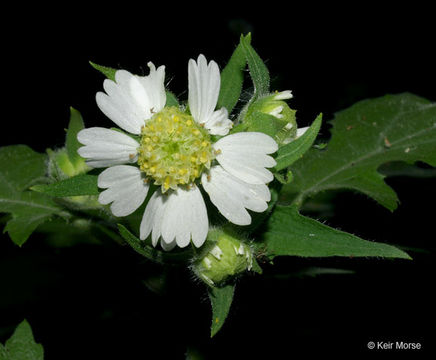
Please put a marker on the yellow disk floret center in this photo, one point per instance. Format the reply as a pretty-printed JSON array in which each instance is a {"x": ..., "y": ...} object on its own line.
[{"x": 174, "y": 149}]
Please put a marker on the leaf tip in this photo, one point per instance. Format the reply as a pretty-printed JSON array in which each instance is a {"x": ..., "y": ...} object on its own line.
[
  {"x": 246, "y": 38},
  {"x": 74, "y": 111},
  {"x": 404, "y": 255}
]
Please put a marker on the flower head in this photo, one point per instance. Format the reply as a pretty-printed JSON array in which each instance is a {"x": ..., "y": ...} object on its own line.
[{"x": 174, "y": 148}]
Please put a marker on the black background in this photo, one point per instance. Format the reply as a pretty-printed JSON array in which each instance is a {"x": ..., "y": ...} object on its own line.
[{"x": 89, "y": 301}]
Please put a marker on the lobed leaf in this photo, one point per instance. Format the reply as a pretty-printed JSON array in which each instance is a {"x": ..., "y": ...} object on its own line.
[{"x": 365, "y": 136}]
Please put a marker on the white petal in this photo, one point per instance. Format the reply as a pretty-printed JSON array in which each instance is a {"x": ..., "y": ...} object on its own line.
[
  {"x": 105, "y": 147},
  {"x": 251, "y": 141},
  {"x": 152, "y": 219},
  {"x": 126, "y": 189},
  {"x": 244, "y": 155},
  {"x": 154, "y": 84},
  {"x": 219, "y": 123},
  {"x": 119, "y": 103},
  {"x": 131, "y": 99},
  {"x": 178, "y": 216},
  {"x": 204, "y": 86},
  {"x": 277, "y": 112},
  {"x": 185, "y": 218},
  {"x": 232, "y": 196},
  {"x": 301, "y": 131},
  {"x": 283, "y": 95}
]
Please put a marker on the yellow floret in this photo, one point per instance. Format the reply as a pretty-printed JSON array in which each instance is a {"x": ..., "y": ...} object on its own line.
[{"x": 174, "y": 149}]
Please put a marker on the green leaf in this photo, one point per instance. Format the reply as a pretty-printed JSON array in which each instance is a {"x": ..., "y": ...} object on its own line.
[
  {"x": 20, "y": 167},
  {"x": 289, "y": 153},
  {"x": 221, "y": 299},
  {"x": 232, "y": 78},
  {"x": 141, "y": 247},
  {"x": 258, "y": 71},
  {"x": 72, "y": 144},
  {"x": 21, "y": 345},
  {"x": 365, "y": 136},
  {"x": 21, "y": 227},
  {"x": 290, "y": 233},
  {"x": 75, "y": 186},
  {"x": 106, "y": 71}
]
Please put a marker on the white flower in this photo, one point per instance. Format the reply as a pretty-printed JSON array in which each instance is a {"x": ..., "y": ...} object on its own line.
[{"x": 174, "y": 149}]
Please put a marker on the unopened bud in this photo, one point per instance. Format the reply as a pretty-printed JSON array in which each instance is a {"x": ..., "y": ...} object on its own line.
[
  {"x": 60, "y": 166},
  {"x": 283, "y": 125},
  {"x": 225, "y": 258}
]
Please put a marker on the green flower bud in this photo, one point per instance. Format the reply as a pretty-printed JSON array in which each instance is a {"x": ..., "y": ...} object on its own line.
[
  {"x": 225, "y": 258},
  {"x": 272, "y": 116},
  {"x": 60, "y": 166}
]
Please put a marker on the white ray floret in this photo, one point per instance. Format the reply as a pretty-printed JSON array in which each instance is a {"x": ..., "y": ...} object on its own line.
[
  {"x": 131, "y": 99},
  {"x": 125, "y": 189},
  {"x": 245, "y": 155},
  {"x": 284, "y": 95},
  {"x": 233, "y": 196},
  {"x": 180, "y": 216},
  {"x": 105, "y": 147},
  {"x": 204, "y": 86}
]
